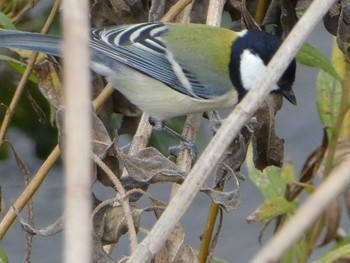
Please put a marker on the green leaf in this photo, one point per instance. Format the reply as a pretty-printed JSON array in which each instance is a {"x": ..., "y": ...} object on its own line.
[
  {"x": 5, "y": 22},
  {"x": 342, "y": 252},
  {"x": 270, "y": 182},
  {"x": 329, "y": 92},
  {"x": 3, "y": 256},
  {"x": 11, "y": 59},
  {"x": 272, "y": 208},
  {"x": 311, "y": 57}
]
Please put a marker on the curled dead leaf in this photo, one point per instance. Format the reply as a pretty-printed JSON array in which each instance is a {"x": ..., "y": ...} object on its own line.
[
  {"x": 150, "y": 166},
  {"x": 333, "y": 216},
  {"x": 110, "y": 223},
  {"x": 309, "y": 170},
  {"x": 268, "y": 148},
  {"x": 49, "y": 83},
  {"x": 227, "y": 200}
]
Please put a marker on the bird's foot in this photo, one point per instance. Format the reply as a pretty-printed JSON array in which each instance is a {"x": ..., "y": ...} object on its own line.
[{"x": 185, "y": 142}]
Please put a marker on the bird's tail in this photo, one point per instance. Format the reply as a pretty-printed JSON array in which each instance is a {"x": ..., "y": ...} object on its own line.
[{"x": 31, "y": 41}]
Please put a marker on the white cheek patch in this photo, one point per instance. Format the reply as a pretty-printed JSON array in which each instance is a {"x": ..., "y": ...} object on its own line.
[{"x": 251, "y": 68}]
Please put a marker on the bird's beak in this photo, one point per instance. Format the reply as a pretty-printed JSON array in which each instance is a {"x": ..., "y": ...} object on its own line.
[{"x": 289, "y": 95}]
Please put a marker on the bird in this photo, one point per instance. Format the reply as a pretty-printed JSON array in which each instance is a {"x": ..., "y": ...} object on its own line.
[{"x": 172, "y": 69}]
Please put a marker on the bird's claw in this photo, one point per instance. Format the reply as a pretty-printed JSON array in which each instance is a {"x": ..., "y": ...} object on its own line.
[{"x": 185, "y": 145}]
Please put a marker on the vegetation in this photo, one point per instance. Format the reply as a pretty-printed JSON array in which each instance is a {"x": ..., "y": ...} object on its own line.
[{"x": 36, "y": 107}]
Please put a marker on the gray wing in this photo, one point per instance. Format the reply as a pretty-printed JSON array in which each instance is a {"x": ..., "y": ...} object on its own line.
[{"x": 140, "y": 47}]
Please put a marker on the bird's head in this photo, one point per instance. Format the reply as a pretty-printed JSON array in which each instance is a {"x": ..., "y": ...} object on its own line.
[{"x": 250, "y": 54}]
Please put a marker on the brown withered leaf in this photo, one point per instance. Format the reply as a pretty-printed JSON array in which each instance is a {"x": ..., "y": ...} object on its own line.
[
  {"x": 111, "y": 12},
  {"x": 130, "y": 183},
  {"x": 129, "y": 125},
  {"x": 36, "y": 107},
  {"x": 47, "y": 72},
  {"x": 103, "y": 147},
  {"x": 267, "y": 146},
  {"x": 235, "y": 155},
  {"x": 106, "y": 110},
  {"x": 272, "y": 18},
  {"x": 309, "y": 169},
  {"x": 337, "y": 23},
  {"x": 50, "y": 230},
  {"x": 343, "y": 34},
  {"x": 100, "y": 137},
  {"x": 288, "y": 16},
  {"x": 174, "y": 249},
  {"x": 124, "y": 106},
  {"x": 199, "y": 12},
  {"x": 282, "y": 16},
  {"x": 157, "y": 10},
  {"x": 248, "y": 19},
  {"x": 150, "y": 166},
  {"x": 110, "y": 223},
  {"x": 333, "y": 218},
  {"x": 139, "y": 9},
  {"x": 101, "y": 140},
  {"x": 233, "y": 7},
  {"x": 113, "y": 164},
  {"x": 227, "y": 200},
  {"x": 343, "y": 149},
  {"x": 331, "y": 18},
  {"x": 99, "y": 254}
]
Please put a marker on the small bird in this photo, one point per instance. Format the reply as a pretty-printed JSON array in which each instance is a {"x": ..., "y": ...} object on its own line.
[{"x": 169, "y": 69}]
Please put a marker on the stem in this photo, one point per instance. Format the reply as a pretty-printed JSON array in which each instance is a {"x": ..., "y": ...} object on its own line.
[
  {"x": 260, "y": 11},
  {"x": 208, "y": 232}
]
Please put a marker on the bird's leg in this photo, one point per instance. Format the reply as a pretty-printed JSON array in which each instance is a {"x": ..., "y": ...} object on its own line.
[{"x": 185, "y": 142}]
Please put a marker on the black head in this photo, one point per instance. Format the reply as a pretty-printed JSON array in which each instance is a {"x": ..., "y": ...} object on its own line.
[{"x": 250, "y": 54}]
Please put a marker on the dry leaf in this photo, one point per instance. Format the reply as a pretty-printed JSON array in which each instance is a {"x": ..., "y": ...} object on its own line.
[
  {"x": 50, "y": 230},
  {"x": 337, "y": 22},
  {"x": 333, "y": 219},
  {"x": 111, "y": 12},
  {"x": 124, "y": 106},
  {"x": 110, "y": 223},
  {"x": 174, "y": 248},
  {"x": 248, "y": 19},
  {"x": 227, "y": 200},
  {"x": 288, "y": 16},
  {"x": 268, "y": 148},
  {"x": 309, "y": 169},
  {"x": 49, "y": 82},
  {"x": 150, "y": 166}
]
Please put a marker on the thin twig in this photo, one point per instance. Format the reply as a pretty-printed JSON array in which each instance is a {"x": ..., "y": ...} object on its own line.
[
  {"x": 175, "y": 10},
  {"x": 77, "y": 233},
  {"x": 229, "y": 129}
]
